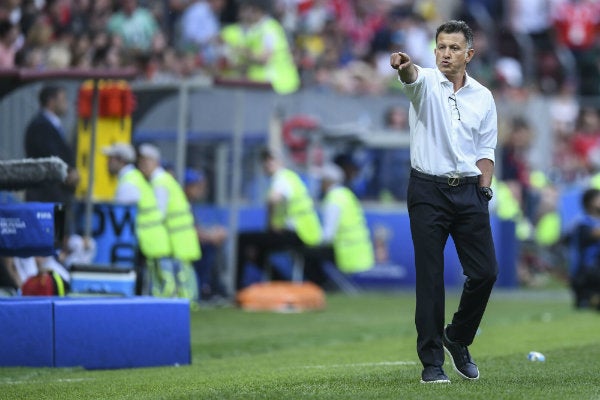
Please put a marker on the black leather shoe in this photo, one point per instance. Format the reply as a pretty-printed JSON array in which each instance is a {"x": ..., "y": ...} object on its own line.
[
  {"x": 461, "y": 359},
  {"x": 433, "y": 374}
]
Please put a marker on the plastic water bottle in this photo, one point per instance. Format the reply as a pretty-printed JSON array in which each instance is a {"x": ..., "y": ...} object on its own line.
[{"x": 536, "y": 356}]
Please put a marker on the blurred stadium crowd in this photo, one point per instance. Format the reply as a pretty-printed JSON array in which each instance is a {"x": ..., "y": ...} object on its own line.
[{"x": 341, "y": 45}]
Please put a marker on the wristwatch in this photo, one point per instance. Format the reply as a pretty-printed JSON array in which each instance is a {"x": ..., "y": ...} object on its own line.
[{"x": 487, "y": 192}]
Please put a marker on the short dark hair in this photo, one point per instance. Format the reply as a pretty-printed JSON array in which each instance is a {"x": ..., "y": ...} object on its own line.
[
  {"x": 48, "y": 93},
  {"x": 588, "y": 197},
  {"x": 266, "y": 154},
  {"x": 455, "y": 26}
]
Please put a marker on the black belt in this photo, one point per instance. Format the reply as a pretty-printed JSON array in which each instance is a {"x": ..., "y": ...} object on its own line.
[{"x": 448, "y": 180}]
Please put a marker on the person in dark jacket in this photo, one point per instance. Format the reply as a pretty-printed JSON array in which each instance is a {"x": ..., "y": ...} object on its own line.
[
  {"x": 585, "y": 253},
  {"x": 45, "y": 137}
]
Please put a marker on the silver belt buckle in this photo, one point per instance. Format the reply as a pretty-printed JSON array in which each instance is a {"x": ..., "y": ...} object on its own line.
[{"x": 453, "y": 181}]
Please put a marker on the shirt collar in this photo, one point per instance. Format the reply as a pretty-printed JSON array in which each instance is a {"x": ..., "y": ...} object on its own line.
[
  {"x": 125, "y": 170},
  {"x": 53, "y": 118},
  {"x": 158, "y": 171},
  {"x": 442, "y": 78}
]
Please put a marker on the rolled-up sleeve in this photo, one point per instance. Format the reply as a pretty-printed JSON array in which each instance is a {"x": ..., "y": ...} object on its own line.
[
  {"x": 413, "y": 90},
  {"x": 488, "y": 134}
]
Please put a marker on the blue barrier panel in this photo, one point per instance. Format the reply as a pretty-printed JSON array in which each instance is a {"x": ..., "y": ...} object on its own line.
[
  {"x": 569, "y": 207},
  {"x": 26, "y": 332},
  {"x": 393, "y": 248},
  {"x": 113, "y": 229},
  {"x": 122, "y": 333},
  {"x": 506, "y": 252}
]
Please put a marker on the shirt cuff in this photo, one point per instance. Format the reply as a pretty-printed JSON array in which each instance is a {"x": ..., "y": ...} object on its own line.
[
  {"x": 486, "y": 152},
  {"x": 419, "y": 77}
]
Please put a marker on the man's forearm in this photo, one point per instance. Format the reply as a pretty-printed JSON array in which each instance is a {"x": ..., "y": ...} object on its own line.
[
  {"x": 408, "y": 74},
  {"x": 486, "y": 166}
]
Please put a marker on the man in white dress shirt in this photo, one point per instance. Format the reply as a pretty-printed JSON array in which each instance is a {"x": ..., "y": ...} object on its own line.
[{"x": 453, "y": 135}]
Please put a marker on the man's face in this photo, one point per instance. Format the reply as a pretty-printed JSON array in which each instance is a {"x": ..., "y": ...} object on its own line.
[
  {"x": 147, "y": 166},
  {"x": 196, "y": 191},
  {"x": 452, "y": 53},
  {"x": 60, "y": 104},
  {"x": 269, "y": 166},
  {"x": 129, "y": 6},
  {"x": 595, "y": 207},
  {"x": 114, "y": 165}
]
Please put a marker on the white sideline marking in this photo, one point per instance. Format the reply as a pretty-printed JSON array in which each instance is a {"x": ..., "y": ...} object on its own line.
[
  {"x": 67, "y": 380},
  {"x": 375, "y": 364}
]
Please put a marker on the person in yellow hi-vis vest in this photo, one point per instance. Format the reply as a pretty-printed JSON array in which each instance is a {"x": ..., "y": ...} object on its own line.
[
  {"x": 293, "y": 222},
  {"x": 232, "y": 63},
  {"x": 346, "y": 240},
  {"x": 267, "y": 52},
  {"x": 177, "y": 218},
  {"x": 151, "y": 233}
]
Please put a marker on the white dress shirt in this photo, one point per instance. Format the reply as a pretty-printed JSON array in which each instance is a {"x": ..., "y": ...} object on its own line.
[
  {"x": 280, "y": 187},
  {"x": 450, "y": 132},
  {"x": 54, "y": 120},
  {"x": 331, "y": 220},
  {"x": 161, "y": 192},
  {"x": 126, "y": 192}
]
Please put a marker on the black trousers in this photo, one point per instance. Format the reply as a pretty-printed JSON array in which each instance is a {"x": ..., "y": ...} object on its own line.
[
  {"x": 436, "y": 210},
  {"x": 586, "y": 284},
  {"x": 256, "y": 246}
]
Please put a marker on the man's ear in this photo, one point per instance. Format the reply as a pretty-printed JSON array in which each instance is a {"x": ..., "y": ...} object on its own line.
[{"x": 469, "y": 55}]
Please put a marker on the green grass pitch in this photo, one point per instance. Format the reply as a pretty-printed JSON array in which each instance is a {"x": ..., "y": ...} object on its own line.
[{"x": 359, "y": 347}]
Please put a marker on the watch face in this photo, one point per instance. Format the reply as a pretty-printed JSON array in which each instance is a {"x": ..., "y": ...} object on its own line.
[{"x": 487, "y": 192}]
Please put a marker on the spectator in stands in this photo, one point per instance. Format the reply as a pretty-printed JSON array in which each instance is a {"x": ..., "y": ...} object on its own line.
[
  {"x": 212, "y": 238},
  {"x": 418, "y": 39},
  {"x": 266, "y": 51},
  {"x": 80, "y": 15},
  {"x": 100, "y": 14},
  {"x": 135, "y": 26},
  {"x": 586, "y": 138},
  {"x": 9, "y": 45},
  {"x": 564, "y": 108},
  {"x": 358, "y": 78},
  {"x": 151, "y": 233},
  {"x": 448, "y": 194},
  {"x": 515, "y": 170},
  {"x": 585, "y": 253},
  {"x": 292, "y": 221},
  {"x": 172, "y": 18},
  {"x": 232, "y": 63},
  {"x": 354, "y": 179},
  {"x": 346, "y": 240},
  {"x": 531, "y": 24},
  {"x": 576, "y": 24},
  {"x": 45, "y": 136},
  {"x": 200, "y": 28},
  {"x": 568, "y": 167},
  {"x": 11, "y": 10},
  {"x": 177, "y": 218}
]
